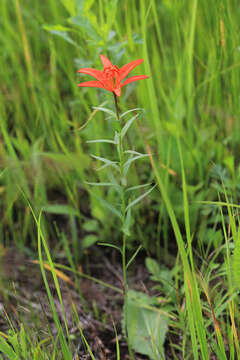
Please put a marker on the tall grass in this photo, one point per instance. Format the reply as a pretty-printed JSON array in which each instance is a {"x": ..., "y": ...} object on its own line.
[{"x": 191, "y": 54}]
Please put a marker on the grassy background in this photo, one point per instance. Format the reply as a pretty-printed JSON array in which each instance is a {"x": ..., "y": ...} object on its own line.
[{"x": 191, "y": 54}]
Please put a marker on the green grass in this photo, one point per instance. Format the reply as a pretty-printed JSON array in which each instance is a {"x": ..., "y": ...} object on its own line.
[{"x": 191, "y": 101}]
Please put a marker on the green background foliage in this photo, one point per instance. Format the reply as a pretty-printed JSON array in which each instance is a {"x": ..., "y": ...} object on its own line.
[{"x": 191, "y": 53}]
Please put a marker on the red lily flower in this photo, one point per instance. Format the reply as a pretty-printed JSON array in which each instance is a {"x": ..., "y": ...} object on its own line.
[{"x": 111, "y": 77}]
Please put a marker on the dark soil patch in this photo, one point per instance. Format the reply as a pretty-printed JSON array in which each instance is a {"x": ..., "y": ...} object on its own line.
[{"x": 24, "y": 299}]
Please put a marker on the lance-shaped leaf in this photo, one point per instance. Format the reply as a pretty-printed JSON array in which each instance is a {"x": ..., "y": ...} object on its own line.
[
  {"x": 137, "y": 187},
  {"x": 134, "y": 202},
  {"x": 134, "y": 255},
  {"x": 127, "y": 126},
  {"x": 106, "y": 162},
  {"x": 129, "y": 111},
  {"x": 101, "y": 141},
  {"x": 106, "y": 110},
  {"x": 131, "y": 160},
  {"x": 111, "y": 245},
  {"x": 99, "y": 183},
  {"x": 132, "y": 152}
]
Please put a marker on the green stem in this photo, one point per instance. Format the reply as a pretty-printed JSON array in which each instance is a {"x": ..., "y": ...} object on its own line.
[
  {"x": 123, "y": 199},
  {"x": 123, "y": 211}
]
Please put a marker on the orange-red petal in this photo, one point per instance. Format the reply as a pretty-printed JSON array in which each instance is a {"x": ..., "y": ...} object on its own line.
[
  {"x": 134, "y": 78},
  {"x": 96, "y": 84},
  {"x": 98, "y": 74},
  {"x": 105, "y": 61},
  {"x": 125, "y": 70}
]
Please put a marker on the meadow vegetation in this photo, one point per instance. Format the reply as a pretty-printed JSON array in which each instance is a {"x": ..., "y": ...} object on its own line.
[{"x": 61, "y": 287}]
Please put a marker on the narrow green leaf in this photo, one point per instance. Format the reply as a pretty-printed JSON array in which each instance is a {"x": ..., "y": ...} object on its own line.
[
  {"x": 134, "y": 202},
  {"x": 86, "y": 344},
  {"x": 111, "y": 245},
  {"x": 137, "y": 187},
  {"x": 99, "y": 184},
  {"x": 132, "y": 152},
  {"x": 56, "y": 28},
  {"x": 218, "y": 203},
  {"x": 102, "y": 167},
  {"x": 131, "y": 160},
  {"x": 134, "y": 255},
  {"x": 117, "y": 341},
  {"x": 127, "y": 112},
  {"x": 42, "y": 242},
  {"x": 101, "y": 141},
  {"x": 127, "y": 126},
  {"x": 106, "y": 161},
  {"x": 106, "y": 110}
]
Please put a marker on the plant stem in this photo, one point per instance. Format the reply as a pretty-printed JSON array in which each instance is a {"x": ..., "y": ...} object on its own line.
[
  {"x": 123, "y": 211},
  {"x": 123, "y": 200}
]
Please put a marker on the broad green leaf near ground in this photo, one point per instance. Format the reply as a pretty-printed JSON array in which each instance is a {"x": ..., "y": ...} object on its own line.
[{"x": 147, "y": 325}]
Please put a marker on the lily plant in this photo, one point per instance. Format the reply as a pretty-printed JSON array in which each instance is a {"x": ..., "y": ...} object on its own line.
[{"x": 113, "y": 78}]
